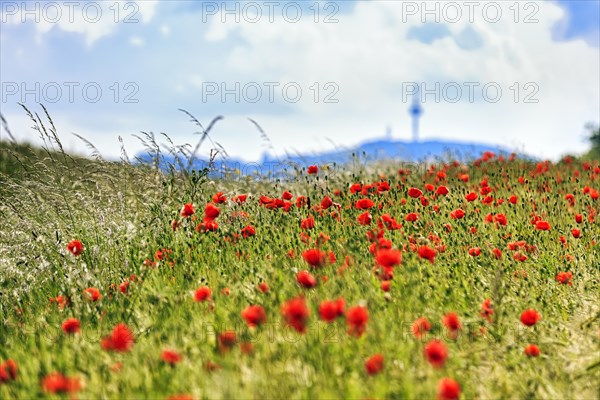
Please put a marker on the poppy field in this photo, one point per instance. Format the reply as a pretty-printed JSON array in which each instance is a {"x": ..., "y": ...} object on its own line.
[{"x": 374, "y": 280}]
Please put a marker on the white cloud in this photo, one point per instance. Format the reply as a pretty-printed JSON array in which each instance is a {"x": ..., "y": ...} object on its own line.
[
  {"x": 196, "y": 81},
  {"x": 367, "y": 55},
  {"x": 136, "y": 41},
  {"x": 93, "y": 20}
]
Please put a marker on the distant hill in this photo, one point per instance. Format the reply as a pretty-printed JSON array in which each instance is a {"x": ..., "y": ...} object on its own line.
[
  {"x": 18, "y": 160},
  {"x": 381, "y": 149},
  {"x": 403, "y": 150}
]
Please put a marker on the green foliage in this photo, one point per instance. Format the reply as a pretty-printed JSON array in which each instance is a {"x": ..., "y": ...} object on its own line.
[{"x": 594, "y": 140}]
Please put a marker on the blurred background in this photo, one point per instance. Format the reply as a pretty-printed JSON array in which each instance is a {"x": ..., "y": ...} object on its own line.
[{"x": 316, "y": 75}]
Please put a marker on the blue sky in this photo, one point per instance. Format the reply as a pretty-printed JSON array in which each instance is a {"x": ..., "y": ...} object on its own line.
[
  {"x": 355, "y": 64},
  {"x": 582, "y": 20}
]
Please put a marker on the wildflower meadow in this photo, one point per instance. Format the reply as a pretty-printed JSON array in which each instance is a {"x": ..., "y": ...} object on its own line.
[{"x": 441, "y": 279}]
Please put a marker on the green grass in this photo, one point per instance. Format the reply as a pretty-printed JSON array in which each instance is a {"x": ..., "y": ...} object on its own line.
[{"x": 122, "y": 214}]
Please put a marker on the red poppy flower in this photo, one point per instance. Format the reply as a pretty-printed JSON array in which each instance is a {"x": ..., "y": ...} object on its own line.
[
  {"x": 385, "y": 286},
  {"x": 326, "y": 202},
  {"x": 306, "y": 280},
  {"x": 75, "y": 247},
  {"x": 312, "y": 169},
  {"x": 287, "y": 195},
  {"x": 442, "y": 191},
  {"x": 181, "y": 396},
  {"x": 219, "y": 198},
  {"x": 364, "y": 204},
  {"x": 365, "y": 218},
  {"x": 329, "y": 310},
  {"x": 383, "y": 187},
  {"x": 263, "y": 287},
  {"x": 207, "y": 226},
  {"x": 471, "y": 196},
  {"x": 121, "y": 339},
  {"x": 240, "y": 198},
  {"x": 203, "y": 293},
  {"x": 92, "y": 294},
  {"x": 542, "y": 226},
  {"x": 374, "y": 364},
  {"x": 436, "y": 353},
  {"x": 420, "y": 327},
  {"x": 296, "y": 313},
  {"x": 355, "y": 188},
  {"x": 501, "y": 219},
  {"x": 497, "y": 253},
  {"x": 532, "y": 350},
  {"x": 390, "y": 223},
  {"x": 308, "y": 223},
  {"x": 530, "y": 317},
  {"x": 8, "y": 371},
  {"x": 56, "y": 382},
  {"x": 357, "y": 318},
  {"x": 314, "y": 257},
  {"x": 448, "y": 389},
  {"x": 267, "y": 201},
  {"x": 388, "y": 257},
  {"x": 300, "y": 201},
  {"x": 248, "y": 231},
  {"x": 564, "y": 278},
  {"x": 60, "y": 300},
  {"x": 411, "y": 217},
  {"x": 451, "y": 321},
  {"x": 187, "y": 210},
  {"x": 576, "y": 233},
  {"x": 474, "y": 252},
  {"x": 520, "y": 257},
  {"x": 227, "y": 340},
  {"x": 170, "y": 356},
  {"x": 254, "y": 315},
  {"x": 427, "y": 253},
  {"x": 570, "y": 197},
  {"x": 123, "y": 287},
  {"x": 486, "y": 310},
  {"x": 457, "y": 214},
  {"x": 161, "y": 254},
  {"x": 71, "y": 325},
  {"x": 211, "y": 211},
  {"x": 578, "y": 218},
  {"x": 414, "y": 193}
]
